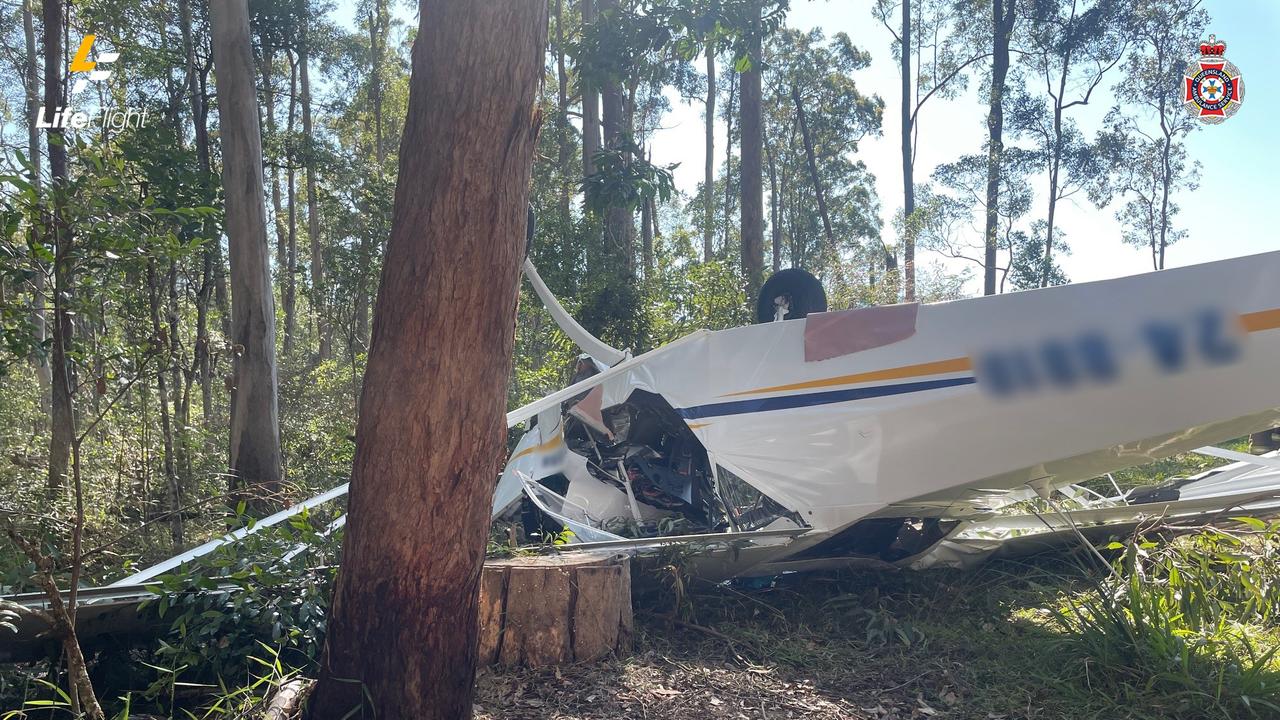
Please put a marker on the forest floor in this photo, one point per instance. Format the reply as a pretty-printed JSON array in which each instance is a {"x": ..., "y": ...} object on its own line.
[
  {"x": 853, "y": 645},
  {"x": 879, "y": 645}
]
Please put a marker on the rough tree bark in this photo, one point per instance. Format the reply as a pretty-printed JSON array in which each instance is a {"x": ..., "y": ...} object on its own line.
[
  {"x": 709, "y": 168},
  {"x": 61, "y": 413},
  {"x": 1002, "y": 18},
  {"x": 404, "y": 628},
  {"x": 255, "y": 432},
  {"x": 751, "y": 167}
]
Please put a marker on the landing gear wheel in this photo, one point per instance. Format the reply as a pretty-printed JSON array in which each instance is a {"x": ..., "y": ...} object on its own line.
[{"x": 799, "y": 291}]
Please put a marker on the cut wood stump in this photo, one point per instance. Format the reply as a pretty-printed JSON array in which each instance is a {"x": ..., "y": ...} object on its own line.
[{"x": 555, "y": 609}]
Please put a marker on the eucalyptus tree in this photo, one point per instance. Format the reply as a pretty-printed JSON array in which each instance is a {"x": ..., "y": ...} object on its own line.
[
  {"x": 402, "y": 639},
  {"x": 946, "y": 222},
  {"x": 255, "y": 429},
  {"x": 58, "y": 234},
  {"x": 1146, "y": 145},
  {"x": 1068, "y": 47},
  {"x": 816, "y": 116},
  {"x": 934, "y": 33},
  {"x": 1004, "y": 16}
]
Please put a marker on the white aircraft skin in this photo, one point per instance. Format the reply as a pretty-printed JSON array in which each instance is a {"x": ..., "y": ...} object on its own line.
[{"x": 986, "y": 395}]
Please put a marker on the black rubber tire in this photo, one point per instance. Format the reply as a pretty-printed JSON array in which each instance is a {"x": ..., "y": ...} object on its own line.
[{"x": 804, "y": 290}]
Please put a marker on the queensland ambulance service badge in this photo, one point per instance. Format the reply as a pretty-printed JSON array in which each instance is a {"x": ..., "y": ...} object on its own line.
[{"x": 1213, "y": 88}]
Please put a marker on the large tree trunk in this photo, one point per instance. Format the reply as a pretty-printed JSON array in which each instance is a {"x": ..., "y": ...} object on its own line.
[
  {"x": 908, "y": 166},
  {"x": 61, "y": 412},
  {"x": 812, "y": 161},
  {"x": 752, "y": 167},
  {"x": 319, "y": 294},
  {"x": 402, "y": 639},
  {"x": 709, "y": 168},
  {"x": 1002, "y": 17},
  {"x": 255, "y": 431}
]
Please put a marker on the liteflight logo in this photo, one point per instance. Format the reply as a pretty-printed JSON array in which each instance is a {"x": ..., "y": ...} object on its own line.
[
  {"x": 82, "y": 64},
  {"x": 85, "y": 70}
]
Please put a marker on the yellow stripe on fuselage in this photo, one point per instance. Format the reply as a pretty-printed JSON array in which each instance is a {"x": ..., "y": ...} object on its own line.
[
  {"x": 960, "y": 364},
  {"x": 1261, "y": 320},
  {"x": 554, "y": 442}
]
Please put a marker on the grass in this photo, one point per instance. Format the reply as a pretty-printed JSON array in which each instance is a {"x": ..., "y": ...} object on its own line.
[{"x": 986, "y": 645}]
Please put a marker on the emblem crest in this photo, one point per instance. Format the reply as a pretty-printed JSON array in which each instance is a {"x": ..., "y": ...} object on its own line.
[{"x": 1212, "y": 86}]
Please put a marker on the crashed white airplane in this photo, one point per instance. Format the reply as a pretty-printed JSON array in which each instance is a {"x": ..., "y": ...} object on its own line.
[
  {"x": 876, "y": 433},
  {"x": 880, "y": 435}
]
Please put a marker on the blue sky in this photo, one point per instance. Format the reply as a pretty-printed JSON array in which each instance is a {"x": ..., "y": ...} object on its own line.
[{"x": 1232, "y": 214}]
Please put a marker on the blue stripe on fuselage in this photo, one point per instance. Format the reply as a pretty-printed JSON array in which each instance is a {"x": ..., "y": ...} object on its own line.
[{"x": 786, "y": 402}]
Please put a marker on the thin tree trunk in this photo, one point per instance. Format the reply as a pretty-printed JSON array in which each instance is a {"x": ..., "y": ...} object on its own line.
[
  {"x": 39, "y": 319},
  {"x": 775, "y": 209},
  {"x": 709, "y": 169},
  {"x": 1046, "y": 264},
  {"x": 211, "y": 250},
  {"x": 61, "y": 412},
  {"x": 287, "y": 273},
  {"x": 319, "y": 293},
  {"x": 812, "y": 161},
  {"x": 619, "y": 221},
  {"x": 1165, "y": 181},
  {"x": 590, "y": 104},
  {"x": 908, "y": 167},
  {"x": 563, "y": 126},
  {"x": 751, "y": 168},
  {"x": 1002, "y": 18},
  {"x": 277, "y": 205},
  {"x": 402, "y": 638},
  {"x": 377, "y": 42},
  {"x": 728, "y": 158},
  {"x": 647, "y": 220},
  {"x": 159, "y": 340},
  {"x": 255, "y": 433}
]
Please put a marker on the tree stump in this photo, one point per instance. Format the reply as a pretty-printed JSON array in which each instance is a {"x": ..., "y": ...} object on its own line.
[{"x": 555, "y": 609}]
